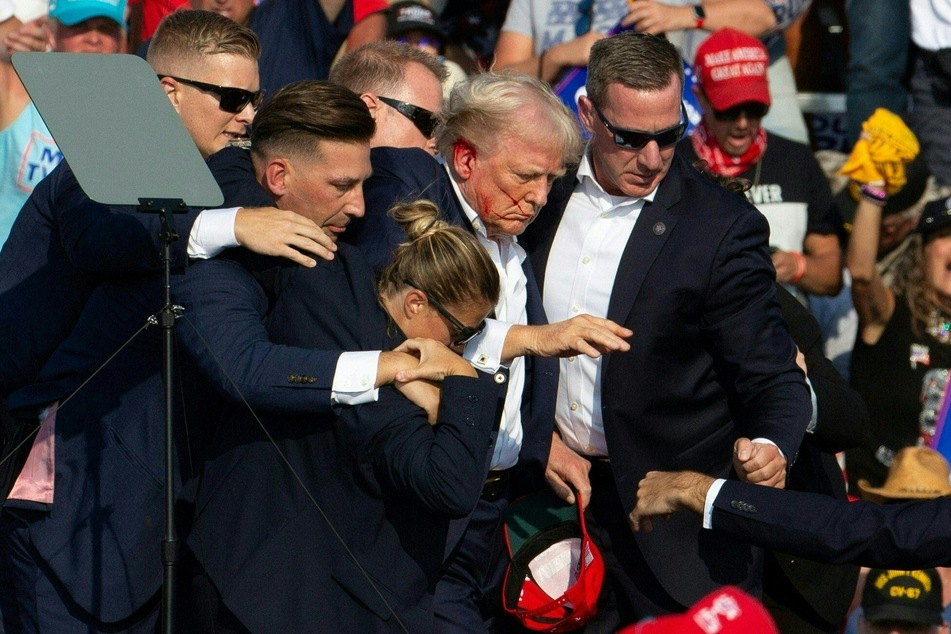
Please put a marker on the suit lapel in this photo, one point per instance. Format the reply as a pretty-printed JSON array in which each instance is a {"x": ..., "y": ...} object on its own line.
[
  {"x": 654, "y": 226},
  {"x": 541, "y": 233}
]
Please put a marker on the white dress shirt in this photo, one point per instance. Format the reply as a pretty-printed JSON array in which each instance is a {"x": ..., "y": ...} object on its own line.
[
  {"x": 579, "y": 279},
  {"x": 485, "y": 350}
]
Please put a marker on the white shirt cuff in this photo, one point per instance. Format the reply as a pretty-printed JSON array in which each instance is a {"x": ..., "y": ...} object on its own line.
[
  {"x": 212, "y": 233},
  {"x": 767, "y": 441},
  {"x": 355, "y": 377},
  {"x": 814, "y": 420},
  {"x": 484, "y": 352},
  {"x": 712, "y": 494}
]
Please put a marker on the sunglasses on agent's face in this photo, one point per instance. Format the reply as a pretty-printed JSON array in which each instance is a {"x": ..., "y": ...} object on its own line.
[
  {"x": 636, "y": 139},
  {"x": 424, "y": 120},
  {"x": 464, "y": 334},
  {"x": 752, "y": 110},
  {"x": 232, "y": 100}
]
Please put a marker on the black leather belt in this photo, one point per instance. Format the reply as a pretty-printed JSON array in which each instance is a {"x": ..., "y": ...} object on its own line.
[
  {"x": 496, "y": 484},
  {"x": 600, "y": 467}
]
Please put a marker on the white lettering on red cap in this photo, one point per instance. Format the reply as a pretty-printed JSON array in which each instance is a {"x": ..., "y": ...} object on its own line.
[
  {"x": 708, "y": 619},
  {"x": 741, "y": 54},
  {"x": 745, "y": 69}
]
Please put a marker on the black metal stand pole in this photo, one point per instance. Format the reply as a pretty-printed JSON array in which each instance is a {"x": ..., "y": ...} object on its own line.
[{"x": 170, "y": 544}]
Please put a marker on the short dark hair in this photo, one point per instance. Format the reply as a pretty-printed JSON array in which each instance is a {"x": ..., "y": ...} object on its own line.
[
  {"x": 636, "y": 60},
  {"x": 303, "y": 113}
]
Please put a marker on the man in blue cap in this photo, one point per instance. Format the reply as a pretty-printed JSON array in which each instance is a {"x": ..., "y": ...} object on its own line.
[{"x": 87, "y": 26}]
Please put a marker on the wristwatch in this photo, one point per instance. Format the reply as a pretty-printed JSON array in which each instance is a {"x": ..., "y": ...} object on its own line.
[{"x": 698, "y": 15}]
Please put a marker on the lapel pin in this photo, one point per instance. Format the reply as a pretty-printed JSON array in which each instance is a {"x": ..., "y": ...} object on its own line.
[{"x": 659, "y": 228}]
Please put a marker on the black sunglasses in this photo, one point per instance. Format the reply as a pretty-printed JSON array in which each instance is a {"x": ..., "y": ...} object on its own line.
[
  {"x": 752, "y": 109},
  {"x": 635, "y": 139},
  {"x": 232, "y": 100},
  {"x": 464, "y": 334},
  {"x": 424, "y": 120}
]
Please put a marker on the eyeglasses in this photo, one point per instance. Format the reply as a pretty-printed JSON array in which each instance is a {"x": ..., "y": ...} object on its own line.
[
  {"x": 464, "y": 334},
  {"x": 424, "y": 120},
  {"x": 636, "y": 140},
  {"x": 583, "y": 25},
  {"x": 232, "y": 100},
  {"x": 752, "y": 109}
]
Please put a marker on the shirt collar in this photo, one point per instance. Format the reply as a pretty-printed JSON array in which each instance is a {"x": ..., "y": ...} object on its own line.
[{"x": 591, "y": 186}]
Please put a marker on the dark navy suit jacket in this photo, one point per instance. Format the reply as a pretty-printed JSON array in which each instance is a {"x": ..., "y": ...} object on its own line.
[
  {"x": 400, "y": 175},
  {"x": 711, "y": 360},
  {"x": 386, "y": 481},
  {"x": 905, "y": 536},
  {"x": 60, "y": 247},
  {"x": 107, "y": 512},
  {"x": 813, "y": 590}
]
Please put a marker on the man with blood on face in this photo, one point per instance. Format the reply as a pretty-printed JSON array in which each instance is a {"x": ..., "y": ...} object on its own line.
[{"x": 504, "y": 140}]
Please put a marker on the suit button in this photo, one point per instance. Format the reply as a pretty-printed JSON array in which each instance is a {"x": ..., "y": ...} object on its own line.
[
  {"x": 573, "y": 407},
  {"x": 473, "y": 399},
  {"x": 499, "y": 378}
]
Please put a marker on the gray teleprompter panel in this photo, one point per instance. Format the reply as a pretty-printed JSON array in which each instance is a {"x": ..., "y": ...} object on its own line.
[{"x": 116, "y": 127}]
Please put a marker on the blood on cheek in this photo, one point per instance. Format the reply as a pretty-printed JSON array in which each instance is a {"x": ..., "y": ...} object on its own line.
[
  {"x": 517, "y": 204},
  {"x": 485, "y": 202}
]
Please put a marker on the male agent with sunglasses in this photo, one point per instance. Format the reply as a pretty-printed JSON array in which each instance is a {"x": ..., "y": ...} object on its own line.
[
  {"x": 637, "y": 235},
  {"x": 402, "y": 87},
  {"x": 788, "y": 186}
]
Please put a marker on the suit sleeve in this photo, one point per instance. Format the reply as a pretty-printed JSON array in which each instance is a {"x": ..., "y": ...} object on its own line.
[
  {"x": 115, "y": 242},
  {"x": 443, "y": 465},
  {"x": 843, "y": 416},
  {"x": 907, "y": 536},
  {"x": 745, "y": 325},
  {"x": 223, "y": 333},
  {"x": 234, "y": 173},
  {"x": 399, "y": 175}
]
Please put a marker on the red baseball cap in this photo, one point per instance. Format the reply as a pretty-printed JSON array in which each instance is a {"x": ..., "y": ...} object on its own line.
[
  {"x": 555, "y": 577},
  {"x": 731, "y": 69},
  {"x": 728, "y": 610}
]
